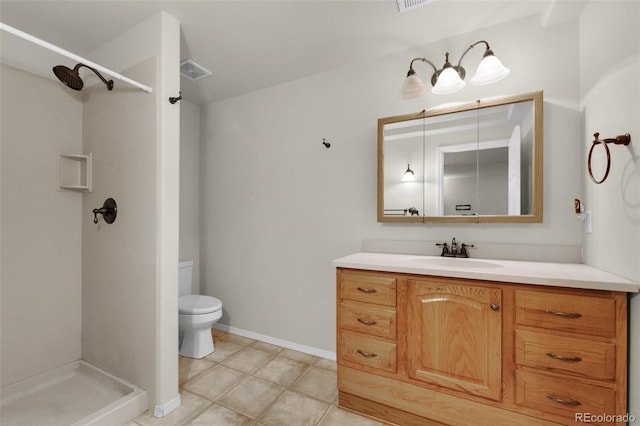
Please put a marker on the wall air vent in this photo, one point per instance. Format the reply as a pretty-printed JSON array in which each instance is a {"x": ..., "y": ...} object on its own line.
[
  {"x": 193, "y": 71},
  {"x": 406, "y": 5}
]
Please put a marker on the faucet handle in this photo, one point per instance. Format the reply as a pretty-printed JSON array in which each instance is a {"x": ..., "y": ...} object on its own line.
[
  {"x": 463, "y": 250},
  {"x": 445, "y": 248}
]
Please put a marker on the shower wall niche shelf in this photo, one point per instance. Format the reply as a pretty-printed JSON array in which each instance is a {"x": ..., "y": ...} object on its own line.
[{"x": 74, "y": 172}]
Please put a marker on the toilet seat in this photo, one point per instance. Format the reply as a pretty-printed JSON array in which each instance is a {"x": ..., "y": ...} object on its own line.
[{"x": 195, "y": 304}]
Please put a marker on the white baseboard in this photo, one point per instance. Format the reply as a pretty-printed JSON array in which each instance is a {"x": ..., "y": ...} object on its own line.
[
  {"x": 163, "y": 410},
  {"x": 275, "y": 341}
]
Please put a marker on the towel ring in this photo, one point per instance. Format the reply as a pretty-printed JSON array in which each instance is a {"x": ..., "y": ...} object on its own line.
[{"x": 618, "y": 140}]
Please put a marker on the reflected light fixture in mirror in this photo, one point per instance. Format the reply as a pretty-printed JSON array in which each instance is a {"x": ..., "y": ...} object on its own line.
[
  {"x": 450, "y": 78},
  {"x": 408, "y": 176}
]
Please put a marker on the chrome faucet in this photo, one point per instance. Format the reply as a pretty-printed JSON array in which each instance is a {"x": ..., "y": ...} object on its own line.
[{"x": 453, "y": 251}]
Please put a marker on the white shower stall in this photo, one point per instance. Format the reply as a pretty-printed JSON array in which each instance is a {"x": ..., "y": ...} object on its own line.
[{"x": 91, "y": 305}]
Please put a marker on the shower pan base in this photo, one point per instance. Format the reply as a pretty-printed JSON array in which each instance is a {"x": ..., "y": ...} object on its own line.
[{"x": 75, "y": 394}]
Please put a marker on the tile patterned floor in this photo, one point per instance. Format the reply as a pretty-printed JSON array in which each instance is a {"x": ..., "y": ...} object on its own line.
[{"x": 247, "y": 382}]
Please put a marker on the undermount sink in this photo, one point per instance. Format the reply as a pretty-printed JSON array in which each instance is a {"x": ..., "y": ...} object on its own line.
[{"x": 455, "y": 262}]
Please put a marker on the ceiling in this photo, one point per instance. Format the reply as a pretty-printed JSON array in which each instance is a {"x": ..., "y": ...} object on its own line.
[{"x": 251, "y": 45}]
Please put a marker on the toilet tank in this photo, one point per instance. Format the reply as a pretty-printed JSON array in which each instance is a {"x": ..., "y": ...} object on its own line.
[{"x": 185, "y": 274}]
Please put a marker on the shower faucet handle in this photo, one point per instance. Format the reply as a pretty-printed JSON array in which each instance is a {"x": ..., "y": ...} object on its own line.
[
  {"x": 109, "y": 211},
  {"x": 96, "y": 212}
]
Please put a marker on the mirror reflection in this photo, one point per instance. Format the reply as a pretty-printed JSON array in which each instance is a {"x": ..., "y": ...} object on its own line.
[{"x": 479, "y": 162}]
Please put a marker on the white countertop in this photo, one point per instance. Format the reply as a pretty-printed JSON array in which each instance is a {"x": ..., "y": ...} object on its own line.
[{"x": 574, "y": 275}]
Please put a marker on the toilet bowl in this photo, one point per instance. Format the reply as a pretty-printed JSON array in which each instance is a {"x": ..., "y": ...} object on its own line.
[{"x": 196, "y": 316}]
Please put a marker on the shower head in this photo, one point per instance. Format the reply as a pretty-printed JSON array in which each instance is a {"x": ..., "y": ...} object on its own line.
[{"x": 71, "y": 78}]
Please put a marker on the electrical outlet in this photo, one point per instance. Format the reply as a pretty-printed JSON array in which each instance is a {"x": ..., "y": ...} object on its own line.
[{"x": 588, "y": 228}]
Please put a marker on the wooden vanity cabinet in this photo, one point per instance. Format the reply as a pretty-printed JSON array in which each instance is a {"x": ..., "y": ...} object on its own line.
[
  {"x": 571, "y": 352},
  {"x": 367, "y": 318},
  {"x": 432, "y": 350},
  {"x": 454, "y": 335}
]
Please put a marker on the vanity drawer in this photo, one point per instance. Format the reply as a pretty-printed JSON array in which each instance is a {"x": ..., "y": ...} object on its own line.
[
  {"x": 588, "y": 358},
  {"x": 368, "y": 351},
  {"x": 562, "y": 397},
  {"x": 567, "y": 312},
  {"x": 368, "y": 288},
  {"x": 367, "y": 318}
]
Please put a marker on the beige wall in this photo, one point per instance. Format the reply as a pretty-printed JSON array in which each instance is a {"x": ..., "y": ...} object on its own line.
[
  {"x": 157, "y": 201},
  {"x": 272, "y": 229},
  {"x": 190, "y": 188},
  {"x": 143, "y": 167},
  {"x": 610, "y": 93},
  {"x": 166, "y": 396},
  {"x": 40, "y": 226},
  {"x": 119, "y": 259}
]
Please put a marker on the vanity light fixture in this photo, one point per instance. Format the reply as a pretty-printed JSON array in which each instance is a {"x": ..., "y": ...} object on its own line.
[
  {"x": 408, "y": 176},
  {"x": 450, "y": 78}
]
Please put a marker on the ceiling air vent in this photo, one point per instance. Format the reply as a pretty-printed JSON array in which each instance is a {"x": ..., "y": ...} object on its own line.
[
  {"x": 406, "y": 5},
  {"x": 193, "y": 71}
]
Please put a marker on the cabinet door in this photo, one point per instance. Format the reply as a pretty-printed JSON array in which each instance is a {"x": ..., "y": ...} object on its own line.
[{"x": 454, "y": 336}]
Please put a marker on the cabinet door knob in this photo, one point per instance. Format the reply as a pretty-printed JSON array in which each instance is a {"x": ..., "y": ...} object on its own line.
[
  {"x": 571, "y": 403},
  {"x": 494, "y": 307}
]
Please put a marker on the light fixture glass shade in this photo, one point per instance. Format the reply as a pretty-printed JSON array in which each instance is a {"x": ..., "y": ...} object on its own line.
[
  {"x": 449, "y": 81},
  {"x": 489, "y": 71},
  {"x": 408, "y": 176},
  {"x": 412, "y": 88}
]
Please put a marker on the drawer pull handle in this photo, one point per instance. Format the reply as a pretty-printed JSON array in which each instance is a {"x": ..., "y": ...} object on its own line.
[
  {"x": 569, "y": 403},
  {"x": 367, "y": 354},
  {"x": 564, "y": 358},
  {"x": 564, "y": 314},
  {"x": 366, "y": 290},
  {"x": 367, "y": 322}
]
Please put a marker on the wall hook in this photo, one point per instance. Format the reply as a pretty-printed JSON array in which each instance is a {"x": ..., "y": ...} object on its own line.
[
  {"x": 618, "y": 140},
  {"x": 174, "y": 100},
  {"x": 109, "y": 211},
  {"x": 325, "y": 143}
]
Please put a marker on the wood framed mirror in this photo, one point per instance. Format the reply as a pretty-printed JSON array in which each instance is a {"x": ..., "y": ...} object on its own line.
[{"x": 479, "y": 162}]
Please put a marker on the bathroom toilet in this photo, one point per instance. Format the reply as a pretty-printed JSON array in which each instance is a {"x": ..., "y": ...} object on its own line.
[{"x": 196, "y": 316}]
